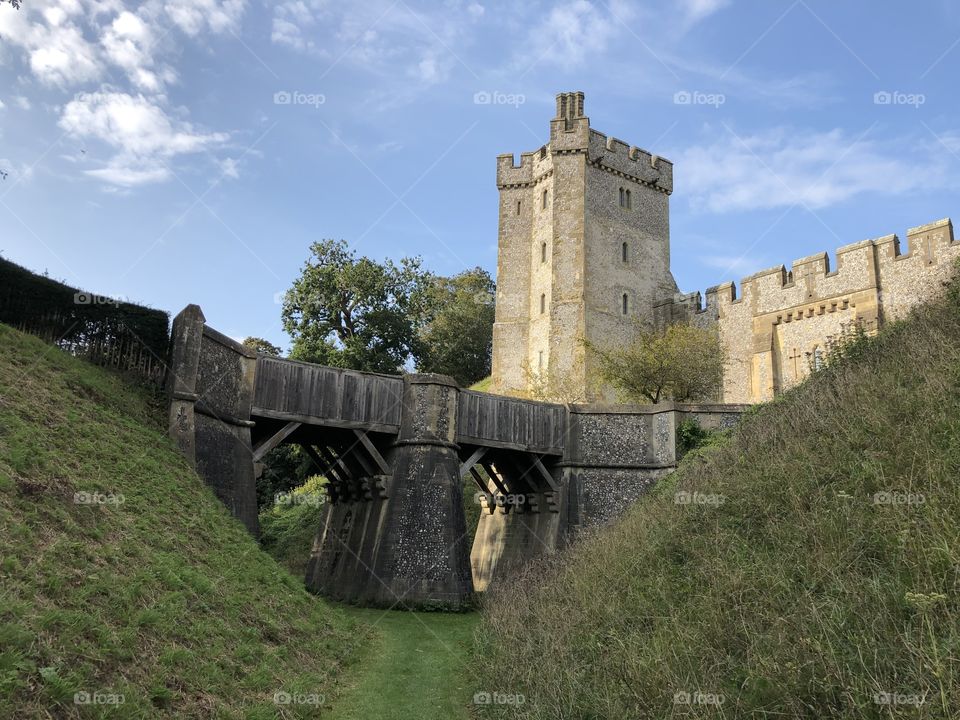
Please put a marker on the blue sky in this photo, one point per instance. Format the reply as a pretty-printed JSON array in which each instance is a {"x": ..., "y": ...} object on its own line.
[{"x": 150, "y": 154}]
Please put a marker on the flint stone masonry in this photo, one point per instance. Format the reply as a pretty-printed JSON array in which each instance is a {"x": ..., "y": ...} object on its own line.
[
  {"x": 561, "y": 234},
  {"x": 395, "y": 451},
  {"x": 210, "y": 391},
  {"x": 774, "y": 332}
]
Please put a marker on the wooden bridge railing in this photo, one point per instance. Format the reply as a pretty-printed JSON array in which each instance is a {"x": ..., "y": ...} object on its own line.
[
  {"x": 290, "y": 390},
  {"x": 493, "y": 420}
]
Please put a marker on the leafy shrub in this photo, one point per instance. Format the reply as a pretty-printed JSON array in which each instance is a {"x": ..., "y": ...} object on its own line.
[{"x": 289, "y": 526}]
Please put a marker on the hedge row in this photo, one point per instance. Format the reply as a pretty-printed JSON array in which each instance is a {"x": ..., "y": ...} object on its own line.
[{"x": 101, "y": 329}]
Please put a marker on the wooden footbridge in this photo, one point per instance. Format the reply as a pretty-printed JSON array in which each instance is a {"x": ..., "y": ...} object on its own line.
[{"x": 395, "y": 451}]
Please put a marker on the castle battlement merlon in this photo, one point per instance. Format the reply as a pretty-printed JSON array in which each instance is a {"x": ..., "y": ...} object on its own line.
[{"x": 945, "y": 224}]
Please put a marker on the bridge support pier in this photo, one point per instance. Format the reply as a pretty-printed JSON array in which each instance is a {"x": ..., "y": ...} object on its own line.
[
  {"x": 408, "y": 549},
  {"x": 508, "y": 537},
  {"x": 210, "y": 392}
]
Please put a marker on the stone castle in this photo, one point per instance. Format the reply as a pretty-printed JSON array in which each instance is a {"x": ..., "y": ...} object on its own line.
[{"x": 584, "y": 254}]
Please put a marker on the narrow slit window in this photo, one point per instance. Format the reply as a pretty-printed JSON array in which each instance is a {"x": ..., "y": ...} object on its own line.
[
  {"x": 543, "y": 303},
  {"x": 629, "y": 204},
  {"x": 624, "y": 302},
  {"x": 624, "y": 252},
  {"x": 540, "y": 361},
  {"x": 543, "y": 252},
  {"x": 622, "y": 197},
  {"x": 544, "y": 199},
  {"x": 518, "y": 207}
]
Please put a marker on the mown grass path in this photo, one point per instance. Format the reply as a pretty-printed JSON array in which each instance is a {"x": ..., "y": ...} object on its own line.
[{"x": 417, "y": 669}]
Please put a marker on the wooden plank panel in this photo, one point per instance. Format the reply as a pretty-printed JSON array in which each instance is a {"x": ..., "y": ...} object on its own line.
[
  {"x": 321, "y": 392},
  {"x": 499, "y": 421}
]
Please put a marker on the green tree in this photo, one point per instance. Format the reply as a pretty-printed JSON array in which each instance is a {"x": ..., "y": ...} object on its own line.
[
  {"x": 457, "y": 338},
  {"x": 354, "y": 312},
  {"x": 680, "y": 362},
  {"x": 265, "y": 347}
]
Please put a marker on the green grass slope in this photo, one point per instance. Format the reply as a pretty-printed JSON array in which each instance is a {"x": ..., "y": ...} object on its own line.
[
  {"x": 418, "y": 669},
  {"x": 483, "y": 385},
  {"x": 162, "y": 598},
  {"x": 815, "y": 574}
]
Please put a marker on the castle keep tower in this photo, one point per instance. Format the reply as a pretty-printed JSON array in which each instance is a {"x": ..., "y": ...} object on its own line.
[{"x": 584, "y": 252}]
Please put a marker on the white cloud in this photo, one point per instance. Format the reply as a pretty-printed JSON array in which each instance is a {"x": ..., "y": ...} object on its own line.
[
  {"x": 574, "y": 30},
  {"x": 119, "y": 173},
  {"x": 230, "y": 168},
  {"x": 59, "y": 55},
  {"x": 70, "y": 42},
  {"x": 130, "y": 44},
  {"x": 194, "y": 16},
  {"x": 2, "y": 105},
  {"x": 287, "y": 33},
  {"x": 144, "y": 137},
  {"x": 696, "y": 10},
  {"x": 387, "y": 39},
  {"x": 783, "y": 167},
  {"x": 292, "y": 19},
  {"x": 51, "y": 37}
]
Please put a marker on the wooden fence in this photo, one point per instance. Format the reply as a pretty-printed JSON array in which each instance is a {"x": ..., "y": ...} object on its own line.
[{"x": 105, "y": 331}]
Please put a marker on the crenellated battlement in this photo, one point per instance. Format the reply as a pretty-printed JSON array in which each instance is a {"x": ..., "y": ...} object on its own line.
[
  {"x": 861, "y": 265},
  {"x": 779, "y": 324},
  {"x": 533, "y": 167},
  {"x": 510, "y": 173},
  {"x": 630, "y": 161}
]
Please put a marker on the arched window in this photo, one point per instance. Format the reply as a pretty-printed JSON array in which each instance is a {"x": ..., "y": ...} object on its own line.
[
  {"x": 629, "y": 204},
  {"x": 623, "y": 252},
  {"x": 543, "y": 303},
  {"x": 817, "y": 358},
  {"x": 518, "y": 207},
  {"x": 543, "y": 252},
  {"x": 625, "y": 302},
  {"x": 623, "y": 197},
  {"x": 544, "y": 199}
]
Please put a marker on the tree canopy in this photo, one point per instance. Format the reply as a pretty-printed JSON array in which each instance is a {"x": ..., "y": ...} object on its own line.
[
  {"x": 264, "y": 347},
  {"x": 350, "y": 311},
  {"x": 457, "y": 337},
  {"x": 680, "y": 362}
]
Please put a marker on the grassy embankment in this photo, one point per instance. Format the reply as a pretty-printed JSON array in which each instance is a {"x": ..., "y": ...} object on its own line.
[
  {"x": 806, "y": 568},
  {"x": 150, "y": 591}
]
